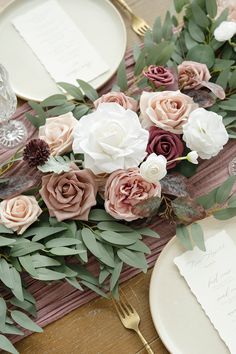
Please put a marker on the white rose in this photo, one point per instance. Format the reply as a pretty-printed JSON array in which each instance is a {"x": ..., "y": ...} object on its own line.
[
  {"x": 205, "y": 133},
  {"x": 225, "y": 31},
  {"x": 110, "y": 138},
  {"x": 154, "y": 168}
]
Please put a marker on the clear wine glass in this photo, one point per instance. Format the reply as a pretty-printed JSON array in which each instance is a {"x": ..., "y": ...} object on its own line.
[{"x": 12, "y": 132}]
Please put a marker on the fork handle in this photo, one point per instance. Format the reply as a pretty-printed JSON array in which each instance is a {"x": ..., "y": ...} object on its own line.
[
  {"x": 147, "y": 346},
  {"x": 125, "y": 6}
]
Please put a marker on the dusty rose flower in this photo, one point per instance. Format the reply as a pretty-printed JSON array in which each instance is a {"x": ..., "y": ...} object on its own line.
[
  {"x": 230, "y": 4},
  {"x": 69, "y": 195},
  {"x": 165, "y": 143},
  {"x": 124, "y": 190},
  {"x": 191, "y": 75},
  {"x": 160, "y": 76},
  {"x": 168, "y": 110},
  {"x": 19, "y": 213},
  {"x": 120, "y": 98},
  {"x": 57, "y": 132}
]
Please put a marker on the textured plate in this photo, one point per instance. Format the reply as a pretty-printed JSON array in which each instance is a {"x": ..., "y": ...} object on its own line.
[
  {"x": 179, "y": 319},
  {"x": 99, "y": 20}
]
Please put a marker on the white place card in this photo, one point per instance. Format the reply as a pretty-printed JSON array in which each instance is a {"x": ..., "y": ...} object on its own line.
[
  {"x": 59, "y": 44},
  {"x": 211, "y": 276}
]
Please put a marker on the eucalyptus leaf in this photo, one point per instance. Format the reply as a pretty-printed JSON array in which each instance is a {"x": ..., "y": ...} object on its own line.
[
  {"x": 3, "y": 313},
  {"x": 35, "y": 120},
  {"x": 54, "y": 100},
  {"x": 140, "y": 247},
  {"x": 56, "y": 164},
  {"x": 24, "y": 321},
  {"x": 114, "y": 226},
  {"x": 5, "y": 273},
  {"x": 5, "y": 230},
  {"x": 25, "y": 248},
  {"x": 40, "y": 261},
  {"x": 40, "y": 232},
  {"x": 198, "y": 236},
  {"x": 95, "y": 289},
  {"x": 182, "y": 234},
  {"x": 132, "y": 258},
  {"x": 224, "y": 191},
  {"x": 122, "y": 76},
  {"x": 115, "y": 275},
  {"x": 211, "y": 7},
  {"x": 17, "y": 289},
  {"x": 64, "y": 251},
  {"x": 146, "y": 231},
  {"x": 60, "y": 110},
  {"x": 5, "y": 241},
  {"x": 99, "y": 215},
  {"x": 121, "y": 239},
  {"x": 74, "y": 282},
  {"x": 225, "y": 214},
  {"x": 88, "y": 90},
  {"x": 24, "y": 305},
  {"x": 10, "y": 329},
  {"x": 46, "y": 274},
  {"x": 27, "y": 264},
  {"x": 202, "y": 53},
  {"x": 72, "y": 90},
  {"x": 80, "y": 111},
  {"x": 62, "y": 241},
  {"x": 6, "y": 345}
]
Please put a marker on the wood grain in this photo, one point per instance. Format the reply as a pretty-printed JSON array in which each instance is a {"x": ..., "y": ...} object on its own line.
[{"x": 95, "y": 327}]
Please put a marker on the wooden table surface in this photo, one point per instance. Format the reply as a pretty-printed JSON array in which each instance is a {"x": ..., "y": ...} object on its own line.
[{"x": 95, "y": 328}]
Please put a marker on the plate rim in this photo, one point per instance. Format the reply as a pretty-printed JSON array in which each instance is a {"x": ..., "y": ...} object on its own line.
[
  {"x": 124, "y": 34},
  {"x": 155, "y": 270}
]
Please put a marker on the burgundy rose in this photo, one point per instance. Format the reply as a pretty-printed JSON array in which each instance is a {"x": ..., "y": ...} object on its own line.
[
  {"x": 165, "y": 143},
  {"x": 161, "y": 76}
]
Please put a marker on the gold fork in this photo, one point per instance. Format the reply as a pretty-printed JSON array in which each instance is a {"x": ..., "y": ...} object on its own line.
[
  {"x": 138, "y": 24},
  {"x": 130, "y": 319}
]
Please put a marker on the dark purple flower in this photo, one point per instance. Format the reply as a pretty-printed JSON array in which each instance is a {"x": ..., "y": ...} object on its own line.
[{"x": 165, "y": 143}]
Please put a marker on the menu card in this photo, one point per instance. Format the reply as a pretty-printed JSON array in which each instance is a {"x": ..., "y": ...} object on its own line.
[
  {"x": 211, "y": 276},
  {"x": 59, "y": 44}
]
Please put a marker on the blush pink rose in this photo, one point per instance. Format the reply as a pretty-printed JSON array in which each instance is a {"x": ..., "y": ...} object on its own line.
[
  {"x": 19, "y": 213},
  {"x": 120, "y": 98},
  {"x": 192, "y": 74},
  {"x": 69, "y": 195},
  {"x": 168, "y": 110},
  {"x": 57, "y": 132},
  {"x": 124, "y": 190}
]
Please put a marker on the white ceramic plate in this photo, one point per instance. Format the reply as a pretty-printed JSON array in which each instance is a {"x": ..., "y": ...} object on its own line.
[
  {"x": 98, "y": 19},
  {"x": 178, "y": 317}
]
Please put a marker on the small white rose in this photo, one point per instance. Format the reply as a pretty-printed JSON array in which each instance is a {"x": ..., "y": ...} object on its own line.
[
  {"x": 110, "y": 138},
  {"x": 192, "y": 157},
  {"x": 154, "y": 168},
  {"x": 205, "y": 133},
  {"x": 225, "y": 31}
]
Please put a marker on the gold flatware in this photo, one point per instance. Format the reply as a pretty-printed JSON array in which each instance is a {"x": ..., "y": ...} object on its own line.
[
  {"x": 130, "y": 319},
  {"x": 138, "y": 24}
]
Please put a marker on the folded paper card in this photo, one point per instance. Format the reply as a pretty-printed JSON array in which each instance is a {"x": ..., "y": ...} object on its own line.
[
  {"x": 211, "y": 276},
  {"x": 59, "y": 44}
]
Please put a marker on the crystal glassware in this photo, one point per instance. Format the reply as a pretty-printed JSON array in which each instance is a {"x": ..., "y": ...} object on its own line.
[{"x": 12, "y": 132}]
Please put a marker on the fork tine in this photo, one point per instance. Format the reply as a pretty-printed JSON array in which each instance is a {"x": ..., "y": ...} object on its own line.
[
  {"x": 125, "y": 306},
  {"x": 120, "y": 309}
]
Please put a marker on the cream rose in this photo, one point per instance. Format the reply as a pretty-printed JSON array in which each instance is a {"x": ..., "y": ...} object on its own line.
[
  {"x": 57, "y": 132},
  {"x": 168, "y": 110},
  {"x": 19, "y": 213},
  {"x": 120, "y": 98}
]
